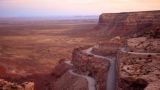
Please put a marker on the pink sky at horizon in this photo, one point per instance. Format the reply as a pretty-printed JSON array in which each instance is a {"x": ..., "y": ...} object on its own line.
[{"x": 75, "y": 7}]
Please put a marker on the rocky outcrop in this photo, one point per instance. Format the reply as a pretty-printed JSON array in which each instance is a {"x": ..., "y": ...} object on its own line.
[
  {"x": 5, "y": 85},
  {"x": 113, "y": 24},
  {"x": 144, "y": 66},
  {"x": 144, "y": 44},
  {"x": 60, "y": 69},
  {"x": 70, "y": 82},
  {"x": 109, "y": 48},
  {"x": 77, "y": 75},
  {"x": 91, "y": 66}
]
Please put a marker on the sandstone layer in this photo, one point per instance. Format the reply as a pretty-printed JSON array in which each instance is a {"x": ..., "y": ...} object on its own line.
[
  {"x": 91, "y": 66},
  {"x": 128, "y": 23}
]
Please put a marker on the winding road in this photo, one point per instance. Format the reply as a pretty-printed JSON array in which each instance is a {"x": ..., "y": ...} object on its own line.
[
  {"x": 137, "y": 53},
  {"x": 112, "y": 73},
  {"x": 91, "y": 81}
]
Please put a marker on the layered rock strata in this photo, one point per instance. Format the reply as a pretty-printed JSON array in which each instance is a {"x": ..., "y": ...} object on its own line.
[
  {"x": 128, "y": 23},
  {"x": 91, "y": 66}
]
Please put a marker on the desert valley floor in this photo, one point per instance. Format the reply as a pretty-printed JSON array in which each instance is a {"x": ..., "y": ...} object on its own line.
[{"x": 35, "y": 46}]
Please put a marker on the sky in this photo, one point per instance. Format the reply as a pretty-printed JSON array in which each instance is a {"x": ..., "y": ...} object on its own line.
[{"x": 73, "y": 7}]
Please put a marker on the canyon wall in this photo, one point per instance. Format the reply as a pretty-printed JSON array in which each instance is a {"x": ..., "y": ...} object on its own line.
[
  {"x": 65, "y": 80},
  {"x": 128, "y": 23},
  {"x": 91, "y": 66},
  {"x": 81, "y": 64}
]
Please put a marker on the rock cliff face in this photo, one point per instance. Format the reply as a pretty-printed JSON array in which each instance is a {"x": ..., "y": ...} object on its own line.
[
  {"x": 91, "y": 66},
  {"x": 81, "y": 64},
  {"x": 65, "y": 80},
  {"x": 109, "y": 48},
  {"x": 58, "y": 71},
  {"x": 129, "y": 22}
]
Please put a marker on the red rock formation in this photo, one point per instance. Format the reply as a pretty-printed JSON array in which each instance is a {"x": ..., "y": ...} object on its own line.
[
  {"x": 63, "y": 80},
  {"x": 144, "y": 44},
  {"x": 109, "y": 48},
  {"x": 70, "y": 82},
  {"x": 92, "y": 66},
  {"x": 144, "y": 66},
  {"x": 128, "y": 23},
  {"x": 5, "y": 85},
  {"x": 60, "y": 69}
]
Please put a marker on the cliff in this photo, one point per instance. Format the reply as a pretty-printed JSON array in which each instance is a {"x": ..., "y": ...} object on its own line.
[
  {"x": 113, "y": 24},
  {"x": 91, "y": 66}
]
